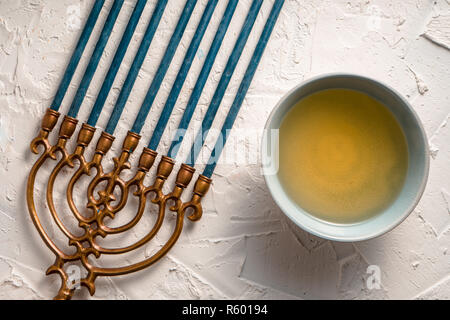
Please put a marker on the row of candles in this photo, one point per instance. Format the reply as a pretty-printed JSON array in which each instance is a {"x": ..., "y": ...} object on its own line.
[{"x": 163, "y": 68}]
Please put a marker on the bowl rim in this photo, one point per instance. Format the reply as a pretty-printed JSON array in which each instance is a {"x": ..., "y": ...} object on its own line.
[{"x": 418, "y": 194}]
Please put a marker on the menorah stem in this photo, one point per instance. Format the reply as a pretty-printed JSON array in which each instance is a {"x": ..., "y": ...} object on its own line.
[
  {"x": 66, "y": 289},
  {"x": 165, "y": 168},
  {"x": 84, "y": 138},
  {"x": 146, "y": 161},
  {"x": 68, "y": 127},
  {"x": 104, "y": 143},
  {"x": 201, "y": 188},
  {"x": 183, "y": 179},
  {"x": 64, "y": 294},
  {"x": 48, "y": 123},
  {"x": 130, "y": 144},
  {"x": 121, "y": 163}
]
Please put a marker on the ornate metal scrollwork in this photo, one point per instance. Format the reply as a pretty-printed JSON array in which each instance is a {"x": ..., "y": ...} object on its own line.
[{"x": 102, "y": 200}]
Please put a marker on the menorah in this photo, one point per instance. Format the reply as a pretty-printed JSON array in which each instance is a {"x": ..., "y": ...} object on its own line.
[{"x": 102, "y": 199}]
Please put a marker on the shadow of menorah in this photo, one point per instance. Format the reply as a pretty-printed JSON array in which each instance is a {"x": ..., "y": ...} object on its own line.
[{"x": 103, "y": 201}]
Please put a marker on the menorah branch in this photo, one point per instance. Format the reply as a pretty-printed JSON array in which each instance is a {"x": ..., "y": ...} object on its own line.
[{"x": 201, "y": 188}]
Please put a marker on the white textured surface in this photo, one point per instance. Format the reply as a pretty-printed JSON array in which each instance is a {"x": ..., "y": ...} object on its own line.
[{"x": 243, "y": 247}]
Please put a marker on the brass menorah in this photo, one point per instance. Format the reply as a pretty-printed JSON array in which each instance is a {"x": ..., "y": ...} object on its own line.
[
  {"x": 100, "y": 207},
  {"x": 106, "y": 193}
]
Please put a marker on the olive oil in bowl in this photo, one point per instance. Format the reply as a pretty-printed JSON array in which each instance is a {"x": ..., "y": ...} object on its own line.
[{"x": 343, "y": 155}]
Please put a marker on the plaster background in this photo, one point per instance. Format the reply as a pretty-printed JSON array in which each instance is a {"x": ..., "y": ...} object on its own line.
[{"x": 243, "y": 247}]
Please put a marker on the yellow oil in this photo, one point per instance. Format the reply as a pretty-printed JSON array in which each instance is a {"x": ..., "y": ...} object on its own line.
[{"x": 343, "y": 155}]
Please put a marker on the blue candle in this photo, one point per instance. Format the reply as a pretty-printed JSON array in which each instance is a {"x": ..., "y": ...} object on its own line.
[
  {"x": 203, "y": 76},
  {"x": 243, "y": 88},
  {"x": 78, "y": 52},
  {"x": 116, "y": 62},
  {"x": 225, "y": 79},
  {"x": 95, "y": 58},
  {"x": 135, "y": 66},
  {"x": 164, "y": 65},
  {"x": 182, "y": 73}
]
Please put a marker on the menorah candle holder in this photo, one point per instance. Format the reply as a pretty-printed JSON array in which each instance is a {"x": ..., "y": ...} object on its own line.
[{"x": 102, "y": 201}]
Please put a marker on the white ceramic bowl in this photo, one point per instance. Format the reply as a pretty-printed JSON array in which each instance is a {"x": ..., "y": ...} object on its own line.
[{"x": 418, "y": 165}]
